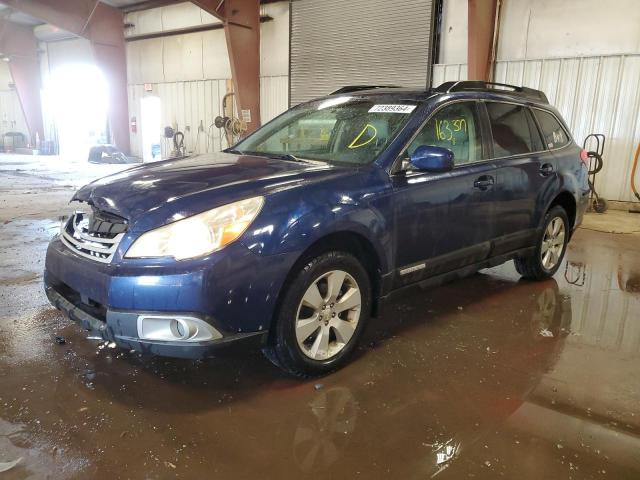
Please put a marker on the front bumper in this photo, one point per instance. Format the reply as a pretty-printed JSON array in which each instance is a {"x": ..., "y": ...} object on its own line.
[
  {"x": 235, "y": 287},
  {"x": 121, "y": 328},
  {"x": 234, "y": 291}
]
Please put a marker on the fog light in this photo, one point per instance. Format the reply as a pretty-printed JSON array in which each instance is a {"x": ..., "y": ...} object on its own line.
[
  {"x": 180, "y": 330},
  {"x": 172, "y": 329}
]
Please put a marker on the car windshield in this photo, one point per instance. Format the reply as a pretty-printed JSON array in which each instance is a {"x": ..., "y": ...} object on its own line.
[{"x": 344, "y": 130}]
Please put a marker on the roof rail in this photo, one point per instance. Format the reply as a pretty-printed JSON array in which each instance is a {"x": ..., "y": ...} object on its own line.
[
  {"x": 357, "y": 88},
  {"x": 478, "y": 85}
]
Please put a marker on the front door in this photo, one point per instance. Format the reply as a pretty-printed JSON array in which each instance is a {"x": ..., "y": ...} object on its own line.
[{"x": 444, "y": 221}]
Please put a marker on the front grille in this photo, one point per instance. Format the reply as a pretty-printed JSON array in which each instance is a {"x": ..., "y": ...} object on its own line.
[
  {"x": 87, "y": 305},
  {"x": 94, "y": 236}
]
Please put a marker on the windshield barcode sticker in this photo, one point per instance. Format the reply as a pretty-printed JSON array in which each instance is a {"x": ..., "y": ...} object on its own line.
[{"x": 392, "y": 109}]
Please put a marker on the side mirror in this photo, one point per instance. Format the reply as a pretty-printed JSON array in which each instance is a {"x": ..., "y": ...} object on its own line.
[{"x": 430, "y": 158}]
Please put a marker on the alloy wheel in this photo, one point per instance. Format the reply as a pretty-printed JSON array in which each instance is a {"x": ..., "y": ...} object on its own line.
[
  {"x": 552, "y": 243},
  {"x": 328, "y": 315}
]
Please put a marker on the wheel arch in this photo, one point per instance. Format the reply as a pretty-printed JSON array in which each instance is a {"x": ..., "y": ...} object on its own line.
[
  {"x": 568, "y": 202},
  {"x": 347, "y": 241}
]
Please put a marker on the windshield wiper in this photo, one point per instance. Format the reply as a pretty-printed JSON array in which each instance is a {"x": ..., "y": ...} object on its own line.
[
  {"x": 232, "y": 150},
  {"x": 284, "y": 156},
  {"x": 277, "y": 156}
]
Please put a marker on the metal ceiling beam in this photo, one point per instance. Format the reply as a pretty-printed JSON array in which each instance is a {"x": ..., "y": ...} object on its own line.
[
  {"x": 149, "y": 4},
  {"x": 183, "y": 31},
  {"x": 18, "y": 43},
  {"x": 241, "y": 20},
  {"x": 70, "y": 15},
  {"x": 102, "y": 25},
  {"x": 482, "y": 29}
]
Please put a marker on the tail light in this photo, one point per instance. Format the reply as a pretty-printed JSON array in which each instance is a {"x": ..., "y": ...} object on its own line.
[{"x": 584, "y": 156}]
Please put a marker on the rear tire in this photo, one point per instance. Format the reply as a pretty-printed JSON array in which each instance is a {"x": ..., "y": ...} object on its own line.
[
  {"x": 551, "y": 246},
  {"x": 321, "y": 317}
]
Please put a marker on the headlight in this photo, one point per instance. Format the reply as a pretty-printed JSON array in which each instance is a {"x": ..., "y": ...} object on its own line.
[{"x": 198, "y": 235}]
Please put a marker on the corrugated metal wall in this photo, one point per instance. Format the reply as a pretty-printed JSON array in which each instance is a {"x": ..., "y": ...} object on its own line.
[
  {"x": 192, "y": 107},
  {"x": 167, "y": 18},
  {"x": 11, "y": 116},
  {"x": 594, "y": 94},
  {"x": 274, "y": 96},
  {"x": 189, "y": 72},
  {"x": 188, "y": 57},
  {"x": 336, "y": 43}
]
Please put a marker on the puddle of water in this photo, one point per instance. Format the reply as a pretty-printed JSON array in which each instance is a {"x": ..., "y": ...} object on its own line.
[{"x": 483, "y": 377}]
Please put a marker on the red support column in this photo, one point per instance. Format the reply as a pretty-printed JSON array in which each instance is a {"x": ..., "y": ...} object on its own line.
[
  {"x": 241, "y": 19},
  {"x": 105, "y": 30},
  {"x": 482, "y": 16},
  {"x": 20, "y": 45}
]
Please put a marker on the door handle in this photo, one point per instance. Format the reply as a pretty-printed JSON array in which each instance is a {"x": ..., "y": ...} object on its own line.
[
  {"x": 484, "y": 182},
  {"x": 546, "y": 169}
]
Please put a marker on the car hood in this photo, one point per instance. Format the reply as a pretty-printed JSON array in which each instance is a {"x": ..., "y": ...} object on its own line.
[{"x": 151, "y": 195}]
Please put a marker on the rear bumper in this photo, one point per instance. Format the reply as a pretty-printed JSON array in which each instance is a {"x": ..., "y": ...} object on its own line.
[
  {"x": 120, "y": 327},
  {"x": 581, "y": 207}
]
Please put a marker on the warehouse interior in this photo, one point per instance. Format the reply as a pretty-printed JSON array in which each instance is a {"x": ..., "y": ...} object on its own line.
[{"x": 484, "y": 377}]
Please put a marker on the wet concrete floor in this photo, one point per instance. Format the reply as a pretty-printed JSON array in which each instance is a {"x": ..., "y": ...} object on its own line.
[{"x": 484, "y": 378}]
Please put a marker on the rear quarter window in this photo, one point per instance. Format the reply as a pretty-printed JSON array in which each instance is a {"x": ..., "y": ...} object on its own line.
[
  {"x": 553, "y": 133},
  {"x": 513, "y": 130}
]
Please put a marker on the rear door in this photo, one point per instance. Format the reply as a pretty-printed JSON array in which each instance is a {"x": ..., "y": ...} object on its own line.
[
  {"x": 525, "y": 171},
  {"x": 444, "y": 221}
]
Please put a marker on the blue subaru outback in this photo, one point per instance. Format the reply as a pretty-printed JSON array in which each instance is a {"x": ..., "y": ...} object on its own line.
[{"x": 295, "y": 235}]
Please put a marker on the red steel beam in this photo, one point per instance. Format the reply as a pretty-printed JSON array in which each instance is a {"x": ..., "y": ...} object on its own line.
[
  {"x": 102, "y": 25},
  {"x": 21, "y": 46},
  {"x": 69, "y": 15},
  {"x": 105, "y": 30},
  {"x": 482, "y": 16},
  {"x": 241, "y": 20}
]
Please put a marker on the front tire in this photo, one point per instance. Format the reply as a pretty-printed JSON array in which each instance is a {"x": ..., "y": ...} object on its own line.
[
  {"x": 322, "y": 316},
  {"x": 550, "y": 247}
]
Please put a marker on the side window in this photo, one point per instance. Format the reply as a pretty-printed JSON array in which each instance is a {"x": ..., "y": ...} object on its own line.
[
  {"x": 513, "y": 129},
  {"x": 456, "y": 127},
  {"x": 554, "y": 134}
]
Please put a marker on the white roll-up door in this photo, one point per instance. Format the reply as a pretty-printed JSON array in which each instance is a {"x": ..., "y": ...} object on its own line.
[{"x": 358, "y": 42}]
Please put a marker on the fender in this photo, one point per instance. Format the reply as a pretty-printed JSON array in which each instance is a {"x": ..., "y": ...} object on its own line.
[{"x": 327, "y": 219}]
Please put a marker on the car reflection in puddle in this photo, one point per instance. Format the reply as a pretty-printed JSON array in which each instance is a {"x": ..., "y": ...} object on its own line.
[{"x": 343, "y": 424}]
